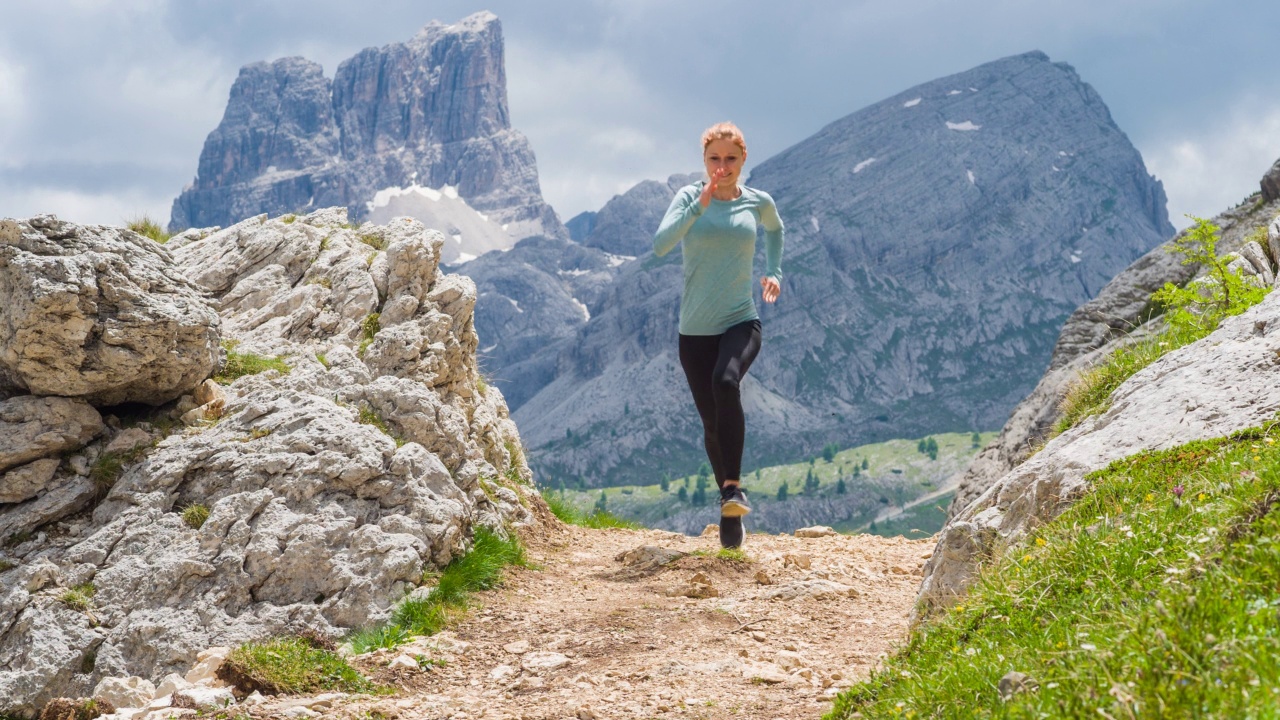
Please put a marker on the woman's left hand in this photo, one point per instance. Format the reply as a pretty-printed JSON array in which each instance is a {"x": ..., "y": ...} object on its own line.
[{"x": 771, "y": 288}]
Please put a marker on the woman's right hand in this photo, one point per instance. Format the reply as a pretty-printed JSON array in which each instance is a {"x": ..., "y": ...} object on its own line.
[{"x": 705, "y": 198}]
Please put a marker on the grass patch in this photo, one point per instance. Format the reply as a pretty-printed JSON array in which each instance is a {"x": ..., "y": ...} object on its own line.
[
  {"x": 1155, "y": 595},
  {"x": 1090, "y": 394},
  {"x": 733, "y": 555},
  {"x": 80, "y": 597},
  {"x": 569, "y": 514},
  {"x": 320, "y": 358},
  {"x": 292, "y": 666},
  {"x": 240, "y": 364},
  {"x": 149, "y": 228},
  {"x": 377, "y": 242},
  {"x": 368, "y": 416},
  {"x": 109, "y": 466},
  {"x": 368, "y": 329},
  {"x": 480, "y": 569},
  {"x": 194, "y": 515},
  {"x": 7, "y": 565},
  {"x": 18, "y": 538},
  {"x": 323, "y": 281}
]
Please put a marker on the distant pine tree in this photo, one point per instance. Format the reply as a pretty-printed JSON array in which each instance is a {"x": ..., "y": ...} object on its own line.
[
  {"x": 931, "y": 448},
  {"x": 810, "y": 483},
  {"x": 683, "y": 495},
  {"x": 602, "y": 505},
  {"x": 666, "y": 483},
  {"x": 829, "y": 452},
  {"x": 865, "y": 464},
  {"x": 782, "y": 491},
  {"x": 975, "y": 440},
  {"x": 840, "y": 488}
]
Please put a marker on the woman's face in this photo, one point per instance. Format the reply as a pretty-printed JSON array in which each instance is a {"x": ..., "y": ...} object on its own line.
[{"x": 724, "y": 160}]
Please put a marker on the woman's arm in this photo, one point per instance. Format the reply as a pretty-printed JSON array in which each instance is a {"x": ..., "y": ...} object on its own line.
[
  {"x": 773, "y": 234},
  {"x": 681, "y": 215}
]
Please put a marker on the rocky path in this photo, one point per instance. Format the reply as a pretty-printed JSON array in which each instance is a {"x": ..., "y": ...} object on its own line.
[{"x": 604, "y": 628}]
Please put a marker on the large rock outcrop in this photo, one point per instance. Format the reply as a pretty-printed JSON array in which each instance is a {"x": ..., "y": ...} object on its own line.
[
  {"x": 98, "y": 313},
  {"x": 421, "y": 119},
  {"x": 331, "y": 481},
  {"x": 936, "y": 242},
  {"x": 1118, "y": 315},
  {"x": 1213, "y": 387}
]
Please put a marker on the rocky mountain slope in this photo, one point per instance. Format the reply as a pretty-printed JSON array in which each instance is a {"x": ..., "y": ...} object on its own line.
[
  {"x": 349, "y": 446},
  {"x": 936, "y": 242},
  {"x": 418, "y": 128},
  {"x": 1118, "y": 315},
  {"x": 1210, "y": 388}
]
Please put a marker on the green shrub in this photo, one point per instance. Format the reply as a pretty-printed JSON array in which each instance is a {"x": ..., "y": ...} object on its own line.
[
  {"x": 149, "y": 228},
  {"x": 320, "y": 358},
  {"x": 241, "y": 364},
  {"x": 737, "y": 555},
  {"x": 292, "y": 666},
  {"x": 1190, "y": 312},
  {"x": 480, "y": 569},
  {"x": 109, "y": 466},
  {"x": 194, "y": 515},
  {"x": 1156, "y": 595}
]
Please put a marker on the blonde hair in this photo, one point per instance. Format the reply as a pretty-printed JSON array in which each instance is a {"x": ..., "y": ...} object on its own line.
[{"x": 723, "y": 131}]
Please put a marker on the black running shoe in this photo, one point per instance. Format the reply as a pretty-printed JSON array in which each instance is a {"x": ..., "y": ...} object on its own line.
[
  {"x": 733, "y": 502},
  {"x": 732, "y": 533}
]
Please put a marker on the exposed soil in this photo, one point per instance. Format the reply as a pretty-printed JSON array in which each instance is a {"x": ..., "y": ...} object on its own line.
[{"x": 587, "y": 635}]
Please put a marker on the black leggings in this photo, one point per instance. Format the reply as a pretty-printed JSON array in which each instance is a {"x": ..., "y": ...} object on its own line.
[{"x": 714, "y": 365}]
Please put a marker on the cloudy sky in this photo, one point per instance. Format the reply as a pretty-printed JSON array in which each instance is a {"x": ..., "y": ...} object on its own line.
[{"x": 105, "y": 104}]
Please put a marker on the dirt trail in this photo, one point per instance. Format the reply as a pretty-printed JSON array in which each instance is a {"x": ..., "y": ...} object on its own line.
[{"x": 589, "y": 635}]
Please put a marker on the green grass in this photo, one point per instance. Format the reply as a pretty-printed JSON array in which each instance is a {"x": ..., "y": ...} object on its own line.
[
  {"x": 7, "y": 565},
  {"x": 294, "y": 666},
  {"x": 368, "y": 416},
  {"x": 377, "y": 242},
  {"x": 149, "y": 228},
  {"x": 569, "y": 514},
  {"x": 79, "y": 597},
  {"x": 478, "y": 570},
  {"x": 368, "y": 329},
  {"x": 1090, "y": 394},
  {"x": 109, "y": 466},
  {"x": 194, "y": 515},
  {"x": 737, "y": 555},
  {"x": 918, "y": 522},
  {"x": 240, "y": 364},
  {"x": 1156, "y": 595}
]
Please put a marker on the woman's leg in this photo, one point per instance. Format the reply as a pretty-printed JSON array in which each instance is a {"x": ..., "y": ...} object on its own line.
[
  {"x": 698, "y": 356},
  {"x": 738, "y": 349}
]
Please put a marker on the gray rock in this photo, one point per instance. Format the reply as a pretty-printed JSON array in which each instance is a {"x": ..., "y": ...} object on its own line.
[
  {"x": 1210, "y": 388},
  {"x": 330, "y": 487},
  {"x": 431, "y": 111},
  {"x": 133, "y": 692},
  {"x": 1271, "y": 183},
  {"x": 1273, "y": 238},
  {"x": 61, "y": 496},
  {"x": 1015, "y": 682},
  {"x": 99, "y": 313},
  {"x": 26, "y": 481},
  {"x": 1257, "y": 257},
  {"x": 35, "y": 427}
]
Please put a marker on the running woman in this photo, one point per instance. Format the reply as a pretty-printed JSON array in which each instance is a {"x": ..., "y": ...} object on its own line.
[{"x": 716, "y": 220}]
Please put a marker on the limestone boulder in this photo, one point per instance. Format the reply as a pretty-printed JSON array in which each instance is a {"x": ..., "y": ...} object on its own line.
[
  {"x": 1211, "y": 388},
  {"x": 26, "y": 481},
  {"x": 36, "y": 427},
  {"x": 330, "y": 486},
  {"x": 99, "y": 313}
]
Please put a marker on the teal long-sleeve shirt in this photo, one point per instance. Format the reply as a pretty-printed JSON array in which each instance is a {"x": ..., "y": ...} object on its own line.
[{"x": 719, "y": 244}]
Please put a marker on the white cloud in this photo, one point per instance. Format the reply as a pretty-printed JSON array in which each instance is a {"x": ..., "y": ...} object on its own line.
[
  {"x": 12, "y": 99},
  {"x": 1210, "y": 168},
  {"x": 596, "y": 127},
  {"x": 114, "y": 207}
]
